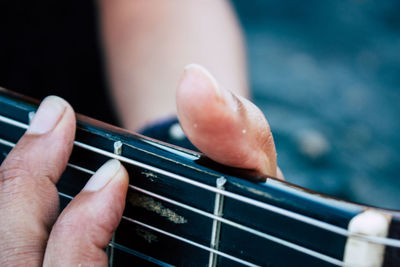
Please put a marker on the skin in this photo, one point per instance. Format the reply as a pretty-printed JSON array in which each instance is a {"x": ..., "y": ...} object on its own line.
[
  {"x": 225, "y": 126},
  {"x": 147, "y": 43},
  {"x": 28, "y": 196}
]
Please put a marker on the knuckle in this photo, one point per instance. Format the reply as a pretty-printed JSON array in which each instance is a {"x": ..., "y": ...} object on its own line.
[
  {"x": 13, "y": 166},
  {"x": 20, "y": 182},
  {"x": 17, "y": 167},
  {"x": 12, "y": 173},
  {"x": 83, "y": 220}
]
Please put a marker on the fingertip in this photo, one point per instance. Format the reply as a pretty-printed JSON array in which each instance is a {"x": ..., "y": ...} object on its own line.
[
  {"x": 120, "y": 184},
  {"x": 67, "y": 123},
  {"x": 202, "y": 74},
  {"x": 198, "y": 89},
  {"x": 86, "y": 225},
  {"x": 103, "y": 175},
  {"x": 111, "y": 171},
  {"x": 52, "y": 111},
  {"x": 109, "y": 183},
  {"x": 32, "y": 168},
  {"x": 123, "y": 176},
  {"x": 201, "y": 102}
]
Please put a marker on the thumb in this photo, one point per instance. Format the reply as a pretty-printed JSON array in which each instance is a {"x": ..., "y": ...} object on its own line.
[
  {"x": 86, "y": 225},
  {"x": 227, "y": 128}
]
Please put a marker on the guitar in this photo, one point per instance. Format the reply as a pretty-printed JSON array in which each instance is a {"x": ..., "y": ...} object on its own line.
[{"x": 183, "y": 209}]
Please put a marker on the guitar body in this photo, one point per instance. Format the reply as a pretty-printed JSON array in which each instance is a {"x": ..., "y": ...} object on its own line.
[{"x": 183, "y": 209}]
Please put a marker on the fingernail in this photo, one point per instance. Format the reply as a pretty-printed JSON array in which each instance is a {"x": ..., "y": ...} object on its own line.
[
  {"x": 48, "y": 115},
  {"x": 208, "y": 76},
  {"x": 103, "y": 175}
]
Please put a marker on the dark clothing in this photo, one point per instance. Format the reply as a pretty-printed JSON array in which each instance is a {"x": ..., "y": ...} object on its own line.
[{"x": 53, "y": 47}]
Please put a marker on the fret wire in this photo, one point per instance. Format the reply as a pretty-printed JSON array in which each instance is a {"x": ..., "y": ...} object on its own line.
[
  {"x": 245, "y": 228},
  {"x": 242, "y": 227},
  {"x": 216, "y": 225},
  {"x": 240, "y": 198},
  {"x": 237, "y": 225},
  {"x": 111, "y": 251},
  {"x": 190, "y": 242},
  {"x": 138, "y": 254},
  {"x": 308, "y": 220},
  {"x": 233, "y": 258}
]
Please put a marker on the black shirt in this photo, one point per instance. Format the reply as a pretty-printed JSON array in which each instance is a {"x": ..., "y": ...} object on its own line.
[{"x": 53, "y": 47}]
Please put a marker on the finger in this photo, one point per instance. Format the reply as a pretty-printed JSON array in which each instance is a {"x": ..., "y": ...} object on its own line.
[
  {"x": 28, "y": 197},
  {"x": 85, "y": 227},
  {"x": 226, "y": 127}
]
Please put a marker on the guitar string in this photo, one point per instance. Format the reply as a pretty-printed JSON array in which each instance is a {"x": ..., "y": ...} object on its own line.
[
  {"x": 239, "y": 226},
  {"x": 265, "y": 206},
  {"x": 201, "y": 212},
  {"x": 220, "y": 253},
  {"x": 320, "y": 224},
  {"x": 287, "y": 213},
  {"x": 233, "y": 258},
  {"x": 274, "y": 239},
  {"x": 7, "y": 143}
]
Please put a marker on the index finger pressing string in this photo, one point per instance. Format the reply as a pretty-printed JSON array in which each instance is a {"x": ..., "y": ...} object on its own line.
[{"x": 27, "y": 183}]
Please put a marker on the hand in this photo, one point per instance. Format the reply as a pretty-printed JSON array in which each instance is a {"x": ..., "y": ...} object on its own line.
[
  {"x": 227, "y": 128},
  {"x": 31, "y": 234}
]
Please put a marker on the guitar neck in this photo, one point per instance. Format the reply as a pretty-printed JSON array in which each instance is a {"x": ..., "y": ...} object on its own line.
[{"x": 183, "y": 209}]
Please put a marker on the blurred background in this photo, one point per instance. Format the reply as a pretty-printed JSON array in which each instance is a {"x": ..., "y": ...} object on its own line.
[
  {"x": 325, "y": 73},
  {"x": 327, "y": 76}
]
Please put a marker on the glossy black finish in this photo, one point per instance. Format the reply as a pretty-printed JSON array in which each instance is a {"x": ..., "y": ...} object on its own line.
[{"x": 186, "y": 223}]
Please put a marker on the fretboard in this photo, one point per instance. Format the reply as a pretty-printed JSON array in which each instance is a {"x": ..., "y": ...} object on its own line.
[{"x": 183, "y": 209}]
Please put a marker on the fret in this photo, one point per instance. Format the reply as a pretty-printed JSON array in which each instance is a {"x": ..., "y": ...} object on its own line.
[
  {"x": 216, "y": 227},
  {"x": 110, "y": 251},
  {"x": 170, "y": 218},
  {"x": 152, "y": 180}
]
